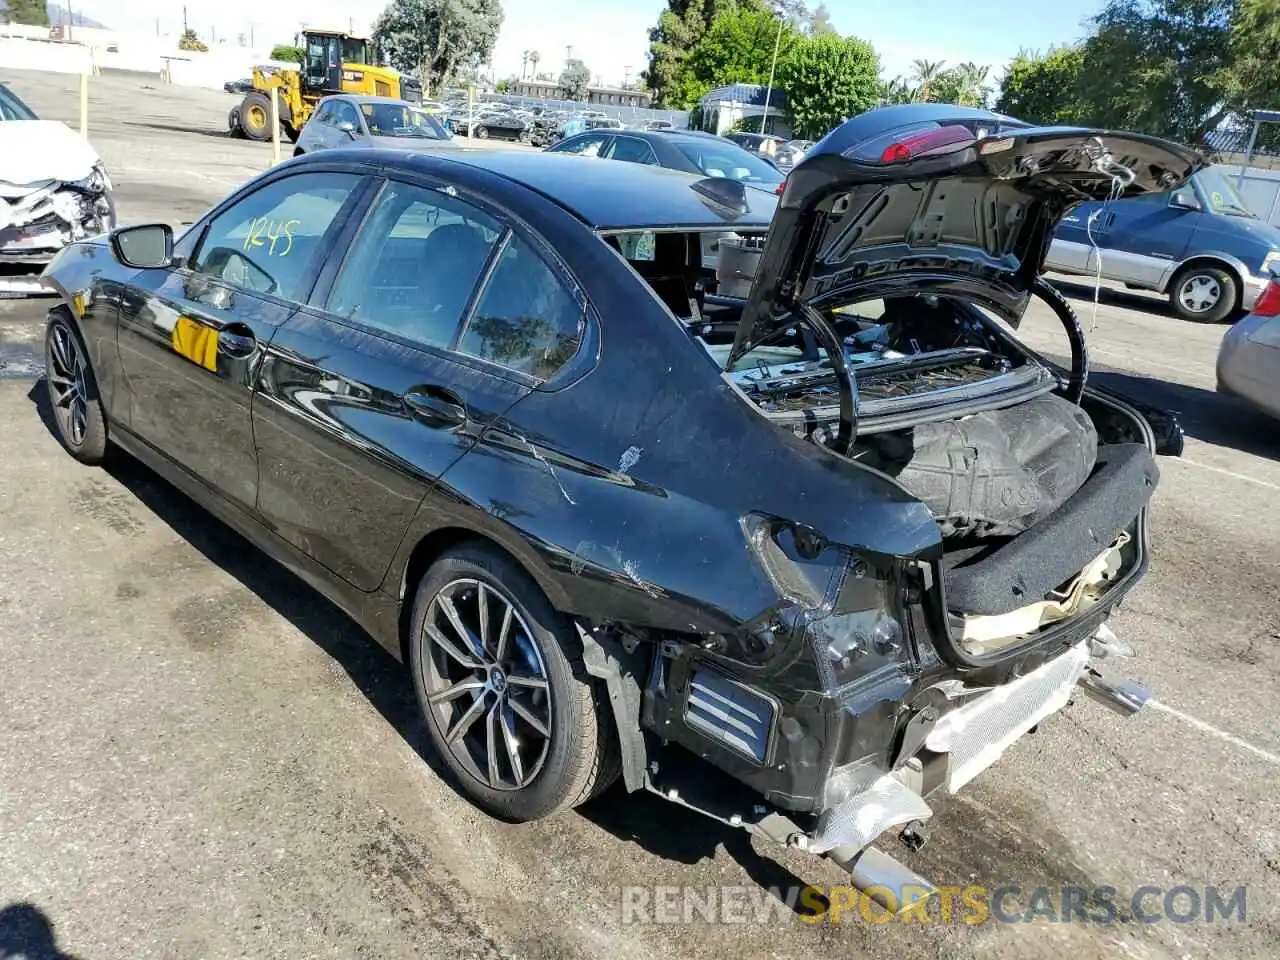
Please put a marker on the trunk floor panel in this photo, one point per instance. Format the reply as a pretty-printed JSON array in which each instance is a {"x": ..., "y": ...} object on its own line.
[{"x": 1031, "y": 564}]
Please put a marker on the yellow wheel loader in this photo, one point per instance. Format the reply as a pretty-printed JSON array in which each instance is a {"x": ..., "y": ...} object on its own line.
[{"x": 333, "y": 62}]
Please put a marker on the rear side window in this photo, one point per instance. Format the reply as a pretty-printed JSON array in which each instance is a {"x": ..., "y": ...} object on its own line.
[
  {"x": 414, "y": 266},
  {"x": 527, "y": 319},
  {"x": 267, "y": 242},
  {"x": 632, "y": 150}
]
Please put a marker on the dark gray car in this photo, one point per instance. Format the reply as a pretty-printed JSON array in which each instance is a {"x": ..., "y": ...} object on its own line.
[{"x": 357, "y": 121}]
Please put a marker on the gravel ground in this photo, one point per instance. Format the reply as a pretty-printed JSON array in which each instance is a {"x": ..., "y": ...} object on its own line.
[{"x": 203, "y": 758}]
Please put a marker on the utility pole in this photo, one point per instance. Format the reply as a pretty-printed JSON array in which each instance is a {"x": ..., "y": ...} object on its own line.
[
  {"x": 184, "y": 19},
  {"x": 568, "y": 54}
]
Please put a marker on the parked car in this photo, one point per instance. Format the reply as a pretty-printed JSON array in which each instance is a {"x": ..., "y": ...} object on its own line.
[
  {"x": 54, "y": 190},
  {"x": 350, "y": 120},
  {"x": 239, "y": 86},
  {"x": 1249, "y": 358},
  {"x": 621, "y": 524},
  {"x": 500, "y": 125},
  {"x": 659, "y": 125},
  {"x": 685, "y": 150},
  {"x": 761, "y": 144},
  {"x": 1199, "y": 245}
]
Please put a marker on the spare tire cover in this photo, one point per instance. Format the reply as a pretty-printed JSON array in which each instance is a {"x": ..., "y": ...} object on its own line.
[{"x": 996, "y": 473}]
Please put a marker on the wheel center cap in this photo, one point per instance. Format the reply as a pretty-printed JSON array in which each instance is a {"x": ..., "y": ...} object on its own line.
[{"x": 497, "y": 679}]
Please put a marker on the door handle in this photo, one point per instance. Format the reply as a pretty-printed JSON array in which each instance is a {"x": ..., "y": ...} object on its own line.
[
  {"x": 237, "y": 341},
  {"x": 436, "y": 407}
]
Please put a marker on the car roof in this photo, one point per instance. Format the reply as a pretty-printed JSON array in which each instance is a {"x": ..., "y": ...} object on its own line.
[
  {"x": 603, "y": 194},
  {"x": 370, "y": 98}
]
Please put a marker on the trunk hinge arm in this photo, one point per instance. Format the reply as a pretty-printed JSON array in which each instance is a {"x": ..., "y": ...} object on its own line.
[{"x": 829, "y": 340}]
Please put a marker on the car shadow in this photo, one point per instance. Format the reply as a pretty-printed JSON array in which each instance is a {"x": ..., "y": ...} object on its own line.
[
  {"x": 655, "y": 825},
  {"x": 1080, "y": 290},
  {"x": 26, "y": 932},
  {"x": 180, "y": 128},
  {"x": 1206, "y": 415}
]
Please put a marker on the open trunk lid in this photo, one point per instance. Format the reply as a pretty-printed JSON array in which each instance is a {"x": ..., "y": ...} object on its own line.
[{"x": 902, "y": 198}]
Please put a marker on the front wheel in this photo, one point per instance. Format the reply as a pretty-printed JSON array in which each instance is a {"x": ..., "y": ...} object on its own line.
[
  {"x": 498, "y": 674},
  {"x": 1203, "y": 294},
  {"x": 73, "y": 392},
  {"x": 482, "y": 133}
]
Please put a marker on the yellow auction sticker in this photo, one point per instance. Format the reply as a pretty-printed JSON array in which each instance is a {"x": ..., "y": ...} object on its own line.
[{"x": 197, "y": 342}]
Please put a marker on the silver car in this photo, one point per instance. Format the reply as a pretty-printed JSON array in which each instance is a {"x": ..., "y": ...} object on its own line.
[
  {"x": 1249, "y": 359},
  {"x": 350, "y": 120}
]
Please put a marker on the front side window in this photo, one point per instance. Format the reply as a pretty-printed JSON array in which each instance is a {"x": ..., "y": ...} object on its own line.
[
  {"x": 526, "y": 319},
  {"x": 267, "y": 242},
  {"x": 401, "y": 121},
  {"x": 346, "y": 113},
  {"x": 415, "y": 264}
]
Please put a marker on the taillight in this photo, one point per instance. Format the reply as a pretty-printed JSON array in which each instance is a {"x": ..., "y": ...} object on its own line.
[
  {"x": 782, "y": 186},
  {"x": 1268, "y": 304},
  {"x": 937, "y": 140}
]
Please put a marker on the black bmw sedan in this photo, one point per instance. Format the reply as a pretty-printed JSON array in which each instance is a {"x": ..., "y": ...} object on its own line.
[{"x": 768, "y": 512}]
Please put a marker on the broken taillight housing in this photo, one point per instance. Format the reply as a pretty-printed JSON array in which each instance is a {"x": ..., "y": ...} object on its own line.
[{"x": 1268, "y": 304}]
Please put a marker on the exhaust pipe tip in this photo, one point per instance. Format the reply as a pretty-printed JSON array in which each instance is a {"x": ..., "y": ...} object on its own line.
[
  {"x": 886, "y": 880},
  {"x": 1125, "y": 697}
]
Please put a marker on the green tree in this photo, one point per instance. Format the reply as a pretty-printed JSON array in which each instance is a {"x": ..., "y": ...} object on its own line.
[
  {"x": 574, "y": 79},
  {"x": 925, "y": 74},
  {"x": 435, "y": 38},
  {"x": 829, "y": 78},
  {"x": 33, "y": 13},
  {"x": 1155, "y": 66},
  {"x": 287, "y": 53},
  {"x": 899, "y": 90},
  {"x": 190, "y": 40},
  {"x": 680, "y": 27},
  {"x": 964, "y": 84},
  {"x": 1251, "y": 78},
  {"x": 1043, "y": 89},
  {"x": 739, "y": 47}
]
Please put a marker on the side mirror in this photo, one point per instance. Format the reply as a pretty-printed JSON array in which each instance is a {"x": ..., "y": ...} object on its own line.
[
  {"x": 1184, "y": 201},
  {"x": 347, "y": 127},
  {"x": 149, "y": 246}
]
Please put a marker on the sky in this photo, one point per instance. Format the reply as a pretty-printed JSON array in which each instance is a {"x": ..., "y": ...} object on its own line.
[{"x": 610, "y": 35}]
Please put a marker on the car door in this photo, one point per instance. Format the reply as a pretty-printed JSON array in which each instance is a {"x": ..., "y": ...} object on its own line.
[
  {"x": 192, "y": 338},
  {"x": 1140, "y": 239},
  {"x": 631, "y": 150},
  {"x": 377, "y": 388},
  {"x": 318, "y": 132}
]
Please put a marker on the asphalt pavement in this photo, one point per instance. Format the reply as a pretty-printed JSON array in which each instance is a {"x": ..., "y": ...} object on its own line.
[{"x": 201, "y": 757}]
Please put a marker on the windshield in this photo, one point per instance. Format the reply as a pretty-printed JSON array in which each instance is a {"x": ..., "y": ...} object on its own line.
[
  {"x": 1221, "y": 194},
  {"x": 401, "y": 120},
  {"x": 728, "y": 160},
  {"x": 11, "y": 108}
]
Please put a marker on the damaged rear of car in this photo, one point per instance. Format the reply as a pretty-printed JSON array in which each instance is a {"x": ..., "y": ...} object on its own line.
[
  {"x": 54, "y": 190},
  {"x": 877, "y": 322}
]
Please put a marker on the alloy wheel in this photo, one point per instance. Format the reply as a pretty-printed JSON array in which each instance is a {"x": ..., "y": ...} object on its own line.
[
  {"x": 1199, "y": 293},
  {"x": 486, "y": 684},
  {"x": 66, "y": 379}
]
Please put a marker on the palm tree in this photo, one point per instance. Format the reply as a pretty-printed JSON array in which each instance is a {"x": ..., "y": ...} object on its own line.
[
  {"x": 970, "y": 84},
  {"x": 534, "y": 57},
  {"x": 524, "y": 64},
  {"x": 926, "y": 72}
]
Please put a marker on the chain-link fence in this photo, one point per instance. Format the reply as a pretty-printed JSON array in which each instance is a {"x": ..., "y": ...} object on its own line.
[
  {"x": 1234, "y": 143},
  {"x": 630, "y": 116}
]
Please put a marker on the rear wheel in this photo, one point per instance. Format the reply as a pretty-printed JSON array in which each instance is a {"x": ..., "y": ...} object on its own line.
[
  {"x": 509, "y": 706},
  {"x": 73, "y": 391},
  {"x": 255, "y": 116},
  {"x": 233, "y": 123},
  {"x": 1203, "y": 294}
]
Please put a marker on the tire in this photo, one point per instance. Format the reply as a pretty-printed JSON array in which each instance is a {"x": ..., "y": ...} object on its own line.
[
  {"x": 291, "y": 132},
  {"x": 482, "y": 133},
  {"x": 577, "y": 759},
  {"x": 255, "y": 116},
  {"x": 73, "y": 391},
  {"x": 1204, "y": 294},
  {"x": 233, "y": 123}
]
